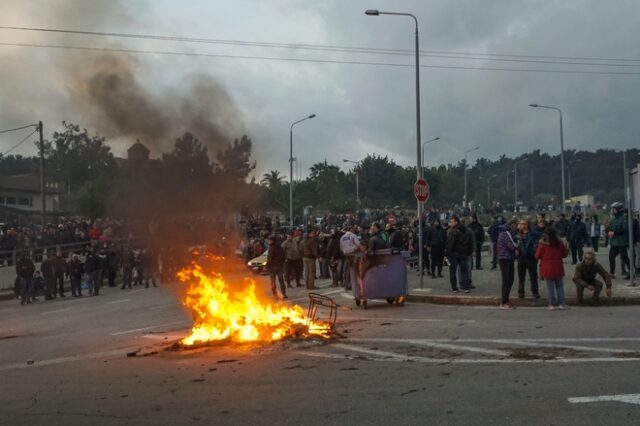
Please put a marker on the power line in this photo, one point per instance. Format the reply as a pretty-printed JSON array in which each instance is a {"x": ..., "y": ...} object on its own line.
[
  {"x": 325, "y": 61},
  {"x": 19, "y": 143},
  {"x": 19, "y": 128},
  {"x": 351, "y": 49}
]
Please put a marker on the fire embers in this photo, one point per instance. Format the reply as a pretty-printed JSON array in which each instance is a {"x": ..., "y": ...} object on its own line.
[{"x": 233, "y": 311}]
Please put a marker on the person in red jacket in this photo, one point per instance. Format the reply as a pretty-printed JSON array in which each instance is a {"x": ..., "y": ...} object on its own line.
[{"x": 550, "y": 253}]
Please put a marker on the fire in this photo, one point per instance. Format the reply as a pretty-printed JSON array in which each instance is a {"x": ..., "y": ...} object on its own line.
[{"x": 224, "y": 313}]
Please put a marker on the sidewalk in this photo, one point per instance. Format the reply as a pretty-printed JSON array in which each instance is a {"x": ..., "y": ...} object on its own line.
[{"x": 488, "y": 286}]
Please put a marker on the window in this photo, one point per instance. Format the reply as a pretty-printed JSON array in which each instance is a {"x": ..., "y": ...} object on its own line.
[
  {"x": 11, "y": 200},
  {"x": 25, "y": 201},
  {"x": 2, "y": 200}
]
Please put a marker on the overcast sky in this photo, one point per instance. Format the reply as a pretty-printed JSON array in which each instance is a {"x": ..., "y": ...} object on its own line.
[{"x": 361, "y": 109}]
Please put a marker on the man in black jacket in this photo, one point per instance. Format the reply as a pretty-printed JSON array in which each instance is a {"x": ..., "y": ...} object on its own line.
[
  {"x": 435, "y": 242},
  {"x": 59, "y": 270},
  {"x": 577, "y": 236},
  {"x": 46, "y": 267},
  {"x": 75, "y": 270},
  {"x": 25, "y": 269},
  {"x": 275, "y": 266},
  {"x": 336, "y": 258},
  {"x": 478, "y": 234},
  {"x": 458, "y": 246}
]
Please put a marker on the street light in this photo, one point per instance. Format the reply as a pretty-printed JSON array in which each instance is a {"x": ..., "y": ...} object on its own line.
[
  {"x": 291, "y": 166},
  {"x": 374, "y": 12},
  {"x": 437, "y": 138},
  {"x": 465, "y": 172},
  {"x": 515, "y": 184},
  {"x": 569, "y": 173},
  {"x": 561, "y": 149},
  {"x": 357, "y": 163},
  {"x": 488, "y": 179}
]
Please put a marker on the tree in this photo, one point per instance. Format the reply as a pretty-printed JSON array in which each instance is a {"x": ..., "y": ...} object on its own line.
[
  {"x": 17, "y": 165},
  {"x": 74, "y": 157},
  {"x": 272, "y": 180},
  {"x": 188, "y": 161},
  {"x": 234, "y": 163}
]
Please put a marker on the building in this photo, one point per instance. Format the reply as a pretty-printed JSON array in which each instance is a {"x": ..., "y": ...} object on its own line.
[{"x": 22, "y": 193}]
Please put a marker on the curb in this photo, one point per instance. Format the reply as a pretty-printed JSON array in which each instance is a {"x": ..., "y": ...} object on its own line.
[{"x": 527, "y": 302}]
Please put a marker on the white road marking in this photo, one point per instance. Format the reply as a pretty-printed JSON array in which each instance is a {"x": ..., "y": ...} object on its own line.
[
  {"x": 54, "y": 312},
  {"x": 632, "y": 398},
  {"x": 384, "y": 356},
  {"x": 405, "y": 319},
  {"x": 427, "y": 342},
  {"x": 113, "y": 302},
  {"x": 119, "y": 333},
  {"x": 61, "y": 360},
  {"x": 555, "y": 345}
]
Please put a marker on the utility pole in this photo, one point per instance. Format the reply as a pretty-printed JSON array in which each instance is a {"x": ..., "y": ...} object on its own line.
[{"x": 42, "y": 185}]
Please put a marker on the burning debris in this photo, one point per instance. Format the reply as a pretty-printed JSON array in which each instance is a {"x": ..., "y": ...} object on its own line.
[{"x": 232, "y": 311}]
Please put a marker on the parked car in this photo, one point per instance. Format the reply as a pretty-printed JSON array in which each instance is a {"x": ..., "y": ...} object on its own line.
[{"x": 258, "y": 264}]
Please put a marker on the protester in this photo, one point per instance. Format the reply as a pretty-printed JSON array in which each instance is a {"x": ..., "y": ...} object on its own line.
[
  {"x": 550, "y": 253},
  {"x": 275, "y": 266},
  {"x": 527, "y": 263},
  {"x": 436, "y": 242},
  {"x": 618, "y": 231},
  {"x": 309, "y": 256},
  {"x": 478, "y": 234},
  {"x": 594, "y": 232},
  {"x": 585, "y": 278},
  {"x": 457, "y": 251},
  {"x": 506, "y": 251},
  {"x": 494, "y": 232},
  {"x": 577, "y": 237}
]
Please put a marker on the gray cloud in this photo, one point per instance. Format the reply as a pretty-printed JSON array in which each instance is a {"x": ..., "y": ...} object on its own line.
[{"x": 368, "y": 110}]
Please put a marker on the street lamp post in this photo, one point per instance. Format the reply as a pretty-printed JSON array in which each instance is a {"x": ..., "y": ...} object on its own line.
[
  {"x": 561, "y": 149},
  {"x": 373, "y": 12},
  {"x": 437, "y": 138},
  {"x": 515, "y": 185},
  {"x": 291, "y": 166},
  {"x": 465, "y": 173},
  {"x": 488, "y": 179},
  {"x": 356, "y": 168}
]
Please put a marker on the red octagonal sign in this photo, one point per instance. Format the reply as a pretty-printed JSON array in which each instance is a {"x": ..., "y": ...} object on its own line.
[{"x": 421, "y": 190}]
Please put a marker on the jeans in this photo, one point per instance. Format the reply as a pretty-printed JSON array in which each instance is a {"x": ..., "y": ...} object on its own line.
[
  {"x": 277, "y": 271},
  {"x": 595, "y": 242},
  {"x": 309, "y": 272},
  {"x": 507, "y": 272},
  {"x": 527, "y": 265},
  {"x": 576, "y": 250},
  {"x": 463, "y": 263},
  {"x": 494, "y": 254},
  {"x": 437, "y": 259},
  {"x": 478, "y": 253},
  {"x": 582, "y": 284},
  {"x": 624, "y": 258},
  {"x": 555, "y": 291}
]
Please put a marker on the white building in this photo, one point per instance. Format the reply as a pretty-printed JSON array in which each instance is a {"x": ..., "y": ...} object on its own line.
[{"x": 22, "y": 192}]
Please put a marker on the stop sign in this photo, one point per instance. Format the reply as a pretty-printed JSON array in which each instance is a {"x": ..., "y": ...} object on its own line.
[{"x": 421, "y": 190}]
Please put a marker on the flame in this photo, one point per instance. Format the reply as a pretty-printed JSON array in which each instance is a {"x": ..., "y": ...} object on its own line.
[{"x": 224, "y": 313}]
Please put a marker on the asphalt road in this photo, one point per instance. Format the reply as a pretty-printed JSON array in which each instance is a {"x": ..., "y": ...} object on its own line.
[{"x": 64, "y": 363}]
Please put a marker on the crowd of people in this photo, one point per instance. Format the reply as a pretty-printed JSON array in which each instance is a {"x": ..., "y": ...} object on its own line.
[
  {"x": 88, "y": 269},
  {"x": 519, "y": 247}
]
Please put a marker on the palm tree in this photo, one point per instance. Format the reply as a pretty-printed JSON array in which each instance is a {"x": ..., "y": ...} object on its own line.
[{"x": 272, "y": 180}]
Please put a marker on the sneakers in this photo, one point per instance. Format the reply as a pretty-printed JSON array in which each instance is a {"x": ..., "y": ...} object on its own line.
[
  {"x": 536, "y": 295},
  {"x": 507, "y": 305},
  {"x": 552, "y": 308},
  {"x": 563, "y": 307},
  {"x": 455, "y": 290},
  {"x": 466, "y": 290}
]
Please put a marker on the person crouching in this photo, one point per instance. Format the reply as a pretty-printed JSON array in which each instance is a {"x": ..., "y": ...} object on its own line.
[{"x": 585, "y": 277}]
